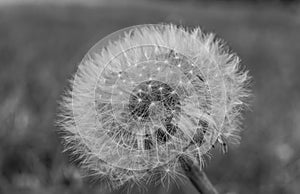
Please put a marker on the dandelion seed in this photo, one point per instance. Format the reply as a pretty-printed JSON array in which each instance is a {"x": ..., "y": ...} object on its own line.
[{"x": 127, "y": 132}]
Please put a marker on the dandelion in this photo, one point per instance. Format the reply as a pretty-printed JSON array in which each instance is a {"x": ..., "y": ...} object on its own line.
[{"x": 145, "y": 97}]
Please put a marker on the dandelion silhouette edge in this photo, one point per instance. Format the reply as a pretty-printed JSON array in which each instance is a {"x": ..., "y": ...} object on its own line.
[{"x": 148, "y": 94}]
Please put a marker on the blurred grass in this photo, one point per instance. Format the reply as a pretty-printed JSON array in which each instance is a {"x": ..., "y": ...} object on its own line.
[{"x": 41, "y": 46}]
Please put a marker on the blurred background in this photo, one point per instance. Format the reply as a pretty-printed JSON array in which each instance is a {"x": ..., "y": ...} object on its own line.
[{"x": 43, "y": 41}]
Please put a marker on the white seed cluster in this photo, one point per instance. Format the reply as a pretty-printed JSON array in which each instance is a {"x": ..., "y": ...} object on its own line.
[{"x": 155, "y": 93}]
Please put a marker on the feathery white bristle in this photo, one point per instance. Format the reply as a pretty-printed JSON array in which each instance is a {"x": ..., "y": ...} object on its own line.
[{"x": 157, "y": 92}]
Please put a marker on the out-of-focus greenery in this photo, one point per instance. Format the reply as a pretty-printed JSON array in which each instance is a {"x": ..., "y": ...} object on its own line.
[{"x": 41, "y": 46}]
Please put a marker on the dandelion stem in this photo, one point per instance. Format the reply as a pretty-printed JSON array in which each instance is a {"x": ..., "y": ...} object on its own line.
[{"x": 197, "y": 177}]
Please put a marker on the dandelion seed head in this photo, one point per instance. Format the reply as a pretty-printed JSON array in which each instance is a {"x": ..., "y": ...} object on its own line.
[{"x": 152, "y": 94}]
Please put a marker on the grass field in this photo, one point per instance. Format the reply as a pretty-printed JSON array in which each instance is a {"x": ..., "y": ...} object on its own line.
[{"x": 41, "y": 46}]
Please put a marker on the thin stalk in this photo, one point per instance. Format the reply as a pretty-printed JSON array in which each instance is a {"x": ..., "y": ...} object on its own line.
[{"x": 197, "y": 177}]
